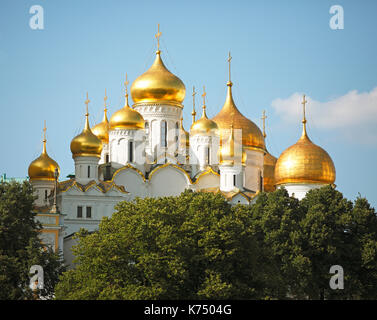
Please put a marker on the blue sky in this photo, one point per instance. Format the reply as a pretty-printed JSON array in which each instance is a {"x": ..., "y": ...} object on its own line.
[{"x": 280, "y": 50}]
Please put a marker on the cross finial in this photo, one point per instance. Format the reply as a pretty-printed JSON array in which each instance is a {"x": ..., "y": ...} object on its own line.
[
  {"x": 105, "y": 99},
  {"x": 264, "y": 123},
  {"x": 87, "y": 102},
  {"x": 158, "y": 35},
  {"x": 204, "y": 96},
  {"x": 304, "y": 106},
  {"x": 126, "y": 84},
  {"x": 229, "y": 59},
  {"x": 193, "y": 104},
  {"x": 44, "y": 131}
]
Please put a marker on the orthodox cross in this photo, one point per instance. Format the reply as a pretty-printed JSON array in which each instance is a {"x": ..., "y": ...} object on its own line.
[
  {"x": 193, "y": 104},
  {"x": 44, "y": 131},
  {"x": 87, "y": 102},
  {"x": 304, "y": 106},
  {"x": 204, "y": 96},
  {"x": 264, "y": 123},
  {"x": 158, "y": 35},
  {"x": 126, "y": 84},
  {"x": 229, "y": 59},
  {"x": 105, "y": 99}
]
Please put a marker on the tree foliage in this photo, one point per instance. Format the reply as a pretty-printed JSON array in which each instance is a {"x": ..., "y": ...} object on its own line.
[
  {"x": 194, "y": 246},
  {"x": 20, "y": 246},
  {"x": 197, "y": 246}
]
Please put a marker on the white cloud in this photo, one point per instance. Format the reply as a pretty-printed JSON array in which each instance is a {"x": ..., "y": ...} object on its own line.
[{"x": 353, "y": 114}]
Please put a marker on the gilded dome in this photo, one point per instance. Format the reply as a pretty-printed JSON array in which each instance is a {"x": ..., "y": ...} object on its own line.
[
  {"x": 229, "y": 152},
  {"x": 158, "y": 84},
  {"x": 269, "y": 163},
  {"x": 101, "y": 130},
  {"x": 251, "y": 135},
  {"x": 127, "y": 118},
  {"x": 43, "y": 168},
  {"x": 204, "y": 126},
  {"x": 304, "y": 162},
  {"x": 86, "y": 144}
]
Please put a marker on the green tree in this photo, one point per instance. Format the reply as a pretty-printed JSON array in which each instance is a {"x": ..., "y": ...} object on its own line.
[
  {"x": 360, "y": 263},
  {"x": 334, "y": 231},
  {"x": 195, "y": 246},
  {"x": 20, "y": 247},
  {"x": 275, "y": 222}
]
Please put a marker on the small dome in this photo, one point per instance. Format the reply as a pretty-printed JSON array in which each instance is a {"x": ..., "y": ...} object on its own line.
[
  {"x": 229, "y": 151},
  {"x": 229, "y": 114},
  {"x": 158, "y": 84},
  {"x": 101, "y": 130},
  {"x": 86, "y": 144},
  {"x": 304, "y": 162},
  {"x": 127, "y": 118},
  {"x": 43, "y": 168},
  {"x": 204, "y": 126}
]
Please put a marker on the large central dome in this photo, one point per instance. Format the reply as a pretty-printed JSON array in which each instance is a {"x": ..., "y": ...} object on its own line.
[{"x": 158, "y": 84}]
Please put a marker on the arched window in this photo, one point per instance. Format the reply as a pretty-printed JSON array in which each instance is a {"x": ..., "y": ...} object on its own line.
[
  {"x": 234, "y": 180},
  {"x": 88, "y": 171},
  {"x": 146, "y": 128},
  {"x": 164, "y": 131},
  {"x": 208, "y": 155}
]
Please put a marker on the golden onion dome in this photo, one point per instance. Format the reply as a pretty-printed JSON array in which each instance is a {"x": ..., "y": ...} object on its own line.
[
  {"x": 229, "y": 153},
  {"x": 184, "y": 136},
  {"x": 127, "y": 118},
  {"x": 269, "y": 163},
  {"x": 204, "y": 126},
  {"x": 43, "y": 168},
  {"x": 252, "y": 137},
  {"x": 101, "y": 130},
  {"x": 158, "y": 84},
  {"x": 304, "y": 162},
  {"x": 86, "y": 144}
]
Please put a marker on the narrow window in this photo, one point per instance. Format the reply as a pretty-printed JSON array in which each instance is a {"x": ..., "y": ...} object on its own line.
[
  {"x": 147, "y": 127},
  {"x": 107, "y": 158},
  {"x": 88, "y": 171},
  {"x": 131, "y": 152},
  {"x": 79, "y": 212},
  {"x": 234, "y": 180},
  {"x": 260, "y": 181},
  {"x": 88, "y": 212},
  {"x": 208, "y": 155},
  {"x": 45, "y": 194},
  {"x": 163, "y": 134}
]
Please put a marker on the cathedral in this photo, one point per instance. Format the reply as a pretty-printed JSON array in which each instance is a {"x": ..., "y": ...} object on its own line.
[{"x": 144, "y": 151}]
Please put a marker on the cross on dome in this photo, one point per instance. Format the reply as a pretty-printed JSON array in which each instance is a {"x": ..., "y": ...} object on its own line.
[{"x": 158, "y": 35}]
